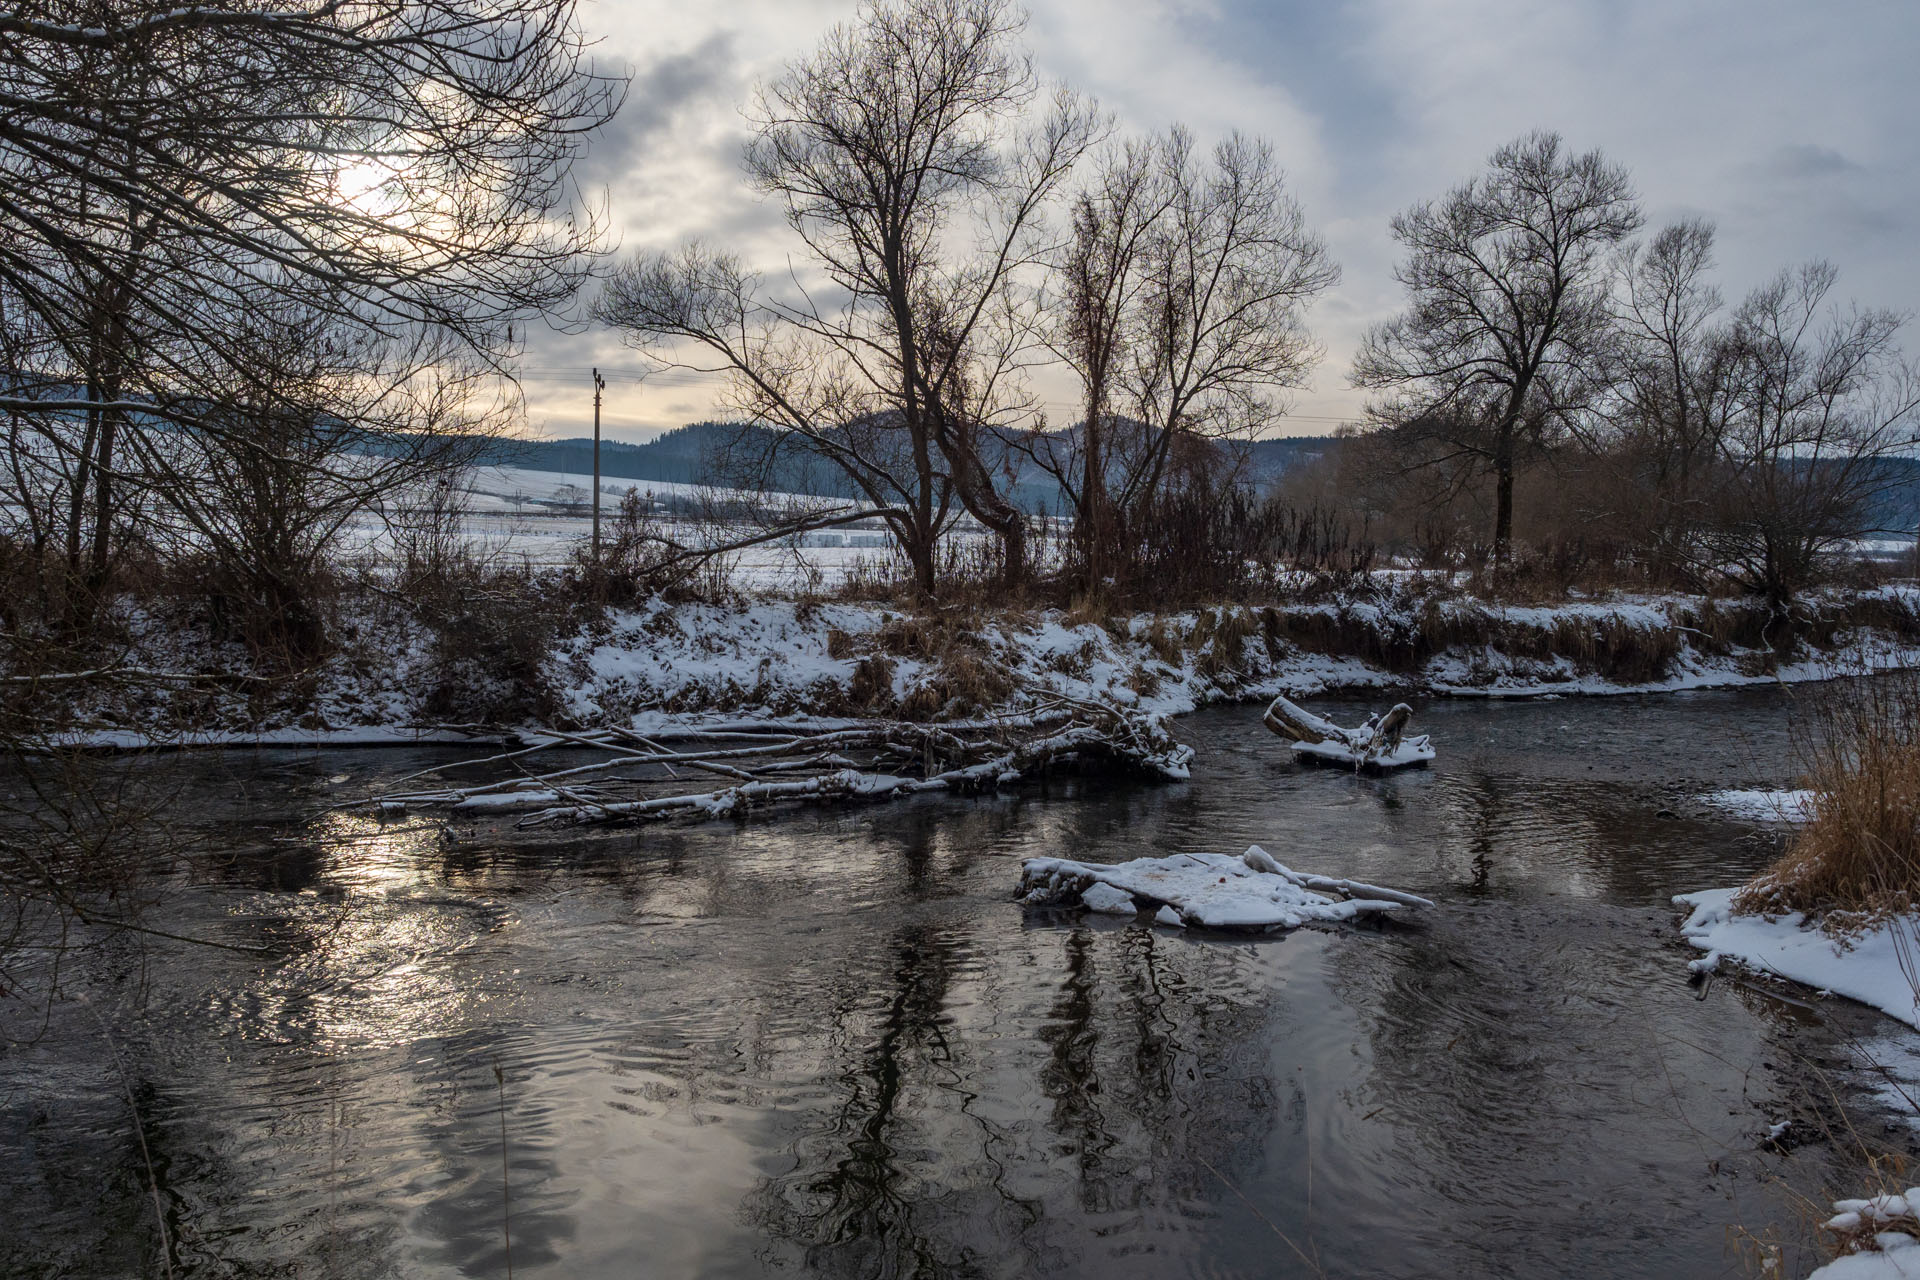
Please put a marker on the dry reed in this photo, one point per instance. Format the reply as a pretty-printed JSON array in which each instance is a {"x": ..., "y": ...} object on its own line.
[{"x": 1857, "y": 859}]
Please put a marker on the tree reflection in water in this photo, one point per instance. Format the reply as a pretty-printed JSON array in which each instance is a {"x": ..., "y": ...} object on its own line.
[
  {"x": 1156, "y": 1083},
  {"x": 873, "y": 1192}
]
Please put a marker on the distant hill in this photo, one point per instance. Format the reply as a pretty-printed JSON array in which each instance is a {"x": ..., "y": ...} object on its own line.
[
  {"x": 685, "y": 456},
  {"x": 676, "y": 457}
]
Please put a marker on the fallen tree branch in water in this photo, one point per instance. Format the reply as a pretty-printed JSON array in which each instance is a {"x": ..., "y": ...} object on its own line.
[{"x": 772, "y": 763}]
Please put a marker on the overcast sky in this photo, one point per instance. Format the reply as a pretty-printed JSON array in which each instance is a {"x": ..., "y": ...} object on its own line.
[{"x": 1789, "y": 124}]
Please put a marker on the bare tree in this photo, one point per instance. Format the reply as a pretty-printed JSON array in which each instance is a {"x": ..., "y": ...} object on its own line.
[
  {"x": 1180, "y": 305},
  {"x": 397, "y": 164},
  {"x": 1668, "y": 411},
  {"x": 907, "y": 158},
  {"x": 1092, "y": 311},
  {"x": 1508, "y": 288},
  {"x": 328, "y": 423},
  {"x": 1819, "y": 401}
]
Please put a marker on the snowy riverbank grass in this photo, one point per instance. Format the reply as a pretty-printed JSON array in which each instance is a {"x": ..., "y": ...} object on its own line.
[
  {"x": 492, "y": 646},
  {"x": 1878, "y": 1238},
  {"x": 1837, "y": 911},
  {"x": 1855, "y": 858}
]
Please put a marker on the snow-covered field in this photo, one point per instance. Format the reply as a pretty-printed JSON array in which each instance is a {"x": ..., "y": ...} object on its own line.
[
  {"x": 817, "y": 561},
  {"x": 544, "y": 518}
]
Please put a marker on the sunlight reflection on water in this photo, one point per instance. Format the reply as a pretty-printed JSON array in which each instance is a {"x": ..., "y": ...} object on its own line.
[{"x": 829, "y": 1041}]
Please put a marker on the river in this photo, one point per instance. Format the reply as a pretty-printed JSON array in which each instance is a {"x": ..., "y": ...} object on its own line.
[{"x": 828, "y": 1041}]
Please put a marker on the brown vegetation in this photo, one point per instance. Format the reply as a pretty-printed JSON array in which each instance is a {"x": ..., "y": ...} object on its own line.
[{"x": 1858, "y": 857}]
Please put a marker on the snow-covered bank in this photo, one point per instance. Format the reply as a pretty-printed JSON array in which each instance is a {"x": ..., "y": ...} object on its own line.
[
  {"x": 779, "y": 657},
  {"x": 1871, "y": 966},
  {"x": 396, "y": 669},
  {"x": 1879, "y": 1233}
]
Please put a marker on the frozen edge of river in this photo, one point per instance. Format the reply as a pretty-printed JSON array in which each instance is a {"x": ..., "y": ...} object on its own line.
[{"x": 1871, "y": 967}]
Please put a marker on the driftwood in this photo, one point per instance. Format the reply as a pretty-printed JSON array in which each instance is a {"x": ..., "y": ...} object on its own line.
[
  {"x": 638, "y": 777},
  {"x": 1380, "y": 743}
]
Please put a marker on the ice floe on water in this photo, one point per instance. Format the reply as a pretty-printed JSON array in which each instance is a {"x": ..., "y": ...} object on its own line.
[
  {"x": 1888, "y": 1068},
  {"x": 1764, "y": 806},
  {"x": 1871, "y": 966},
  {"x": 1209, "y": 890}
]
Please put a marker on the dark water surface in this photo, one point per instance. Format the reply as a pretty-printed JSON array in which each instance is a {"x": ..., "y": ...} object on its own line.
[{"x": 827, "y": 1042}]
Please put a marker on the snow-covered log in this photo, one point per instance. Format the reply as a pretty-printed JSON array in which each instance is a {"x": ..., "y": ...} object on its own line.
[
  {"x": 1210, "y": 890},
  {"x": 770, "y": 763},
  {"x": 1380, "y": 743}
]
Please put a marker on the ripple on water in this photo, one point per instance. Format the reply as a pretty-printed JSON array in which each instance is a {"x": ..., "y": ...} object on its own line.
[{"x": 831, "y": 1043}]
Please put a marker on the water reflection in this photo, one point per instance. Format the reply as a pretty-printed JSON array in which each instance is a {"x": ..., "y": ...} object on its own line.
[
  {"x": 897, "y": 1179},
  {"x": 830, "y": 1043}
]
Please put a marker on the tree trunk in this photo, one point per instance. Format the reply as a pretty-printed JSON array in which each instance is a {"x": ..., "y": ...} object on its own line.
[
  {"x": 102, "y": 550},
  {"x": 1013, "y": 547},
  {"x": 1503, "y": 509},
  {"x": 1091, "y": 526}
]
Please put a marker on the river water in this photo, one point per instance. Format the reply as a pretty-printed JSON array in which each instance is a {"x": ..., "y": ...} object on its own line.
[{"x": 828, "y": 1041}]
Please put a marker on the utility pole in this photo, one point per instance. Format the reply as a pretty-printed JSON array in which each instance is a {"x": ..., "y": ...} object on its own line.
[{"x": 599, "y": 385}]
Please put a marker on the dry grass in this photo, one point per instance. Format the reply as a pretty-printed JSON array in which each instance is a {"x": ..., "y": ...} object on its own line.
[
  {"x": 1858, "y": 858},
  {"x": 1165, "y": 641},
  {"x": 1228, "y": 630}
]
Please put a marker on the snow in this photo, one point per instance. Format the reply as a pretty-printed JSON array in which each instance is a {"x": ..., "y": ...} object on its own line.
[
  {"x": 1897, "y": 1263},
  {"x": 1104, "y": 899},
  {"x": 1888, "y": 1067},
  {"x": 1360, "y": 747},
  {"x": 496, "y": 800},
  {"x": 1877, "y": 1229},
  {"x": 656, "y": 666},
  {"x": 1210, "y": 890},
  {"x": 1870, "y": 966},
  {"x": 1416, "y": 750},
  {"x": 1764, "y": 806}
]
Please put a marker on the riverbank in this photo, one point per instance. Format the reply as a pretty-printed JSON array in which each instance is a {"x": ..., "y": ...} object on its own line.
[{"x": 402, "y": 672}]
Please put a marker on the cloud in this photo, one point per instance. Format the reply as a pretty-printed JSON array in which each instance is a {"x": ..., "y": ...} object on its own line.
[
  {"x": 1807, "y": 160},
  {"x": 1787, "y": 127},
  {"x": 662, "y": 93}
]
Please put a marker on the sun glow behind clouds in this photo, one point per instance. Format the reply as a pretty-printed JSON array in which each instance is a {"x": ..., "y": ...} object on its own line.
[{"x": 367, "y": 186}]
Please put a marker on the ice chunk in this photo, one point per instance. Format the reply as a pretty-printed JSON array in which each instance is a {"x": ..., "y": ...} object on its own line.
[
  {"x": 1168, "y": 916},
  {"x": 1764, "y": 806}
]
